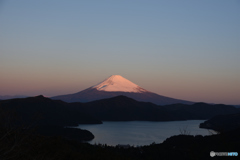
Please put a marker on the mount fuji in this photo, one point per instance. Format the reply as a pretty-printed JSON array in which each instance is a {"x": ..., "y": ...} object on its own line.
[{"x": 116, "y": 85}]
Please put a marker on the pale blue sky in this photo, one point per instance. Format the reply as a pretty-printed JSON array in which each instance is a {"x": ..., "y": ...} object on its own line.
[{"x": 188, "y": 49}]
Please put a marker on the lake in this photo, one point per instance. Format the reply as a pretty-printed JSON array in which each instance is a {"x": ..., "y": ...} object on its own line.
[{"x": 140, "y": 133}]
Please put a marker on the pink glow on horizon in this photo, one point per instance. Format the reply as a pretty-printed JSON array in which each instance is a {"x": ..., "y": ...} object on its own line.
[{"x": 198, "y": 91}]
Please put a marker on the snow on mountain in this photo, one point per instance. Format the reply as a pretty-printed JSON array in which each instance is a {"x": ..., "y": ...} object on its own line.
[{"x": 117, "y": 83}]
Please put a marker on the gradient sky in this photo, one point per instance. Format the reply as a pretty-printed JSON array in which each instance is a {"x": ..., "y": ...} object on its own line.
[{"x": 188, "y": 49}]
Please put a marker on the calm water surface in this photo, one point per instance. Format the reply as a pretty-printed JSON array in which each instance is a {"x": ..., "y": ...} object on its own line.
[{"x": 141, "y": 132}]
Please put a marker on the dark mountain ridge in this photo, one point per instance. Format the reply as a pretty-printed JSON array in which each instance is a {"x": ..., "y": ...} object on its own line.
[
  {"x": 40, "y": 110},
  {"x": 222, "y": 123},
  {"x": 122, "y": 108},
  {"x": 183, "y": 146},
  {"x": 201, "y": 110}
]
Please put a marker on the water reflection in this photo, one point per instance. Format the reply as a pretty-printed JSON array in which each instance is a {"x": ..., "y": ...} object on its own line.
[{"x": 141, "y": 132}]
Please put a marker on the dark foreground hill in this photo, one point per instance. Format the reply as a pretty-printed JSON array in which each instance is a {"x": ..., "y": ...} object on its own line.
[
  {"x": 28, "y": 146},
  {"x": 222, "y": 123},
  {"x": 44, "y": 111},
  {"x": 40, "y": 115},
  {"x": 122, "y": 108},
  {"x": 201, "y": 110},
  {"x": 24, "y": 144}
]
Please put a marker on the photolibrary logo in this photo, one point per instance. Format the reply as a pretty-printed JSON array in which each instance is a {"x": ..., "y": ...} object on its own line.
[{"x": 212, "y": 153}]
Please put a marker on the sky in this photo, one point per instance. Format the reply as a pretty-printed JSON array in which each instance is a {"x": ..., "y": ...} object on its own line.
[{"x": 188, "y": 49}]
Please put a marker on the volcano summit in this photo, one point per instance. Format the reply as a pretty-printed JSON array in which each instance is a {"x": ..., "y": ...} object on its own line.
[{"x": 116, "y": 85}]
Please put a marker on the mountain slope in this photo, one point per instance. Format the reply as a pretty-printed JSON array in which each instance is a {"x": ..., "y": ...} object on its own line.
[
  {"x": 202, "y": 110},
  {"x": 122, "y": 108},
  {"x": 222, "y": 123},
  {"x": 44, "y": 111},
  {"x": 117, "y": 85}
]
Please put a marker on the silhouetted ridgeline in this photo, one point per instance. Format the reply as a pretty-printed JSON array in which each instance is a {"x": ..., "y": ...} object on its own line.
[
  {"x": 44, "y": 111},
  {"x": 122, "y": 108},
  {"x": 222, "y": 123},
  {"x": 201, "y": 110},
  {"x": 44, "y": 116},
  {"x": 51, "y": 116}
]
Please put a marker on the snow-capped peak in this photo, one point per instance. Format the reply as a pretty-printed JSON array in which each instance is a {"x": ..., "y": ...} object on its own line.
[{"x": 117, "y": 83}]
